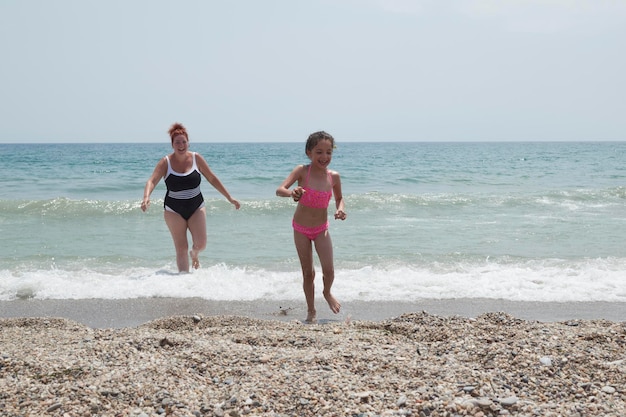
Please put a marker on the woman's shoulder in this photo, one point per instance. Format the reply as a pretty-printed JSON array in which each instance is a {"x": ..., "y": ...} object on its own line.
[
  {"x": 197, "y": 156},
  {"x": 200, "y": 161}
]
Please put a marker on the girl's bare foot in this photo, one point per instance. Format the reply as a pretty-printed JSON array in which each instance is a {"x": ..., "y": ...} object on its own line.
[
  {"x": 195, "y": 262},
  {"x": 333, "y": 303},
  {"x": 311, "y": 317}
]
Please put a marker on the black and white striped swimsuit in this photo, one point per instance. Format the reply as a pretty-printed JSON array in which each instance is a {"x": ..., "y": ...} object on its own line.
[{"x": 183, "y": 190}]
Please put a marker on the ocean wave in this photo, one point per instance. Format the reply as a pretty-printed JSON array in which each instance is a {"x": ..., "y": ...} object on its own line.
[
  {"x": 570, "y": 199},
  {"x": 65, "y": 207},
  {"x": 368, "y": 199},
  {"x": 551, "y": 280},
  {"x": 62, "y": 207}
]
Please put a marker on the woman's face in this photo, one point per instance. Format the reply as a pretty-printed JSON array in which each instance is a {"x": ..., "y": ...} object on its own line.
[{"x": 180, "y": 143}]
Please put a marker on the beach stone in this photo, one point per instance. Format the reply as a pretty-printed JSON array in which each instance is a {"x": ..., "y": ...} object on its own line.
[
  {"x": 364, "y": 397},
  {"x": 54, "y": 407},
  {"x": 607, "y": 389},
  {"x": 482, "y": 402},
  {"x": 508, "y": 401},
  {"x": 545, "y": 361}
]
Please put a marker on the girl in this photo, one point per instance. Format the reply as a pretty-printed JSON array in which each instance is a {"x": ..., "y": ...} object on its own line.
[{"x": 316, "y": 185}]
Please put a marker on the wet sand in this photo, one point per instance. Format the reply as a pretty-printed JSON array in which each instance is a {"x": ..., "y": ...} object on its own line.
[{"x": 100, "y": 313}]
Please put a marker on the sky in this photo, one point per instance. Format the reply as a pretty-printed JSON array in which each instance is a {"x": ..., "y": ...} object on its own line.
[{"x": 277, "y": 70}]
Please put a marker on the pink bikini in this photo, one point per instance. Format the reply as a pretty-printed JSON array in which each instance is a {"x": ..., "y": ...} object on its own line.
[{"x": 314, "y": 199}]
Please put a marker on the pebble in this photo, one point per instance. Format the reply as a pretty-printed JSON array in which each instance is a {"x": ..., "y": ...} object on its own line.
[
  {"x": 227, "y": 366},
  {"x": 608, "y": 390},
  {"x": 546, "y": 361},
  {"x": 508, "y": 401}
]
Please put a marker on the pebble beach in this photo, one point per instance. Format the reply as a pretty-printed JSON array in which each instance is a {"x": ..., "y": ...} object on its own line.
[{"x": 415, "y": 364}]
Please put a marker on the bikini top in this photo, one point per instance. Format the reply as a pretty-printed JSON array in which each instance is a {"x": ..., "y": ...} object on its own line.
[
  {"x": 316, "y": 198},
  {"x": 183, "y": 185}
]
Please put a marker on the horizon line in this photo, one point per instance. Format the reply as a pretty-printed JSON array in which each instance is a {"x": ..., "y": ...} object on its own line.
[{"x": 342, "y": 141}]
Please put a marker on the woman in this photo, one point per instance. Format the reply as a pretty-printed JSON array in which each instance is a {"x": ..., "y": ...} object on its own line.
[{"x": 184, "y": 203}]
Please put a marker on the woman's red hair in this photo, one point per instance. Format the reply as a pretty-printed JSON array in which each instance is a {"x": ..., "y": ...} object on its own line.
[{"x": 177, "y": 129}]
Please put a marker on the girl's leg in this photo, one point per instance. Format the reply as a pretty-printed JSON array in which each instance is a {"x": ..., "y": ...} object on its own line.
[
  {"x": 178, "y": 229},
  {"x": 304, "y": 248},
  {"x": 197, "y": 227},
  {"x": 324, "y": 249}
]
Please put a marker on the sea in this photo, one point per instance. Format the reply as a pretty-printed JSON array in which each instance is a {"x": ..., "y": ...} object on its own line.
[{"x": 533, "y": 221}]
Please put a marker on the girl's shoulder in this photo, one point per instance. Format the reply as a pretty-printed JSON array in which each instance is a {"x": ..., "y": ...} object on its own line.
[{"x": 300, "y": 168}]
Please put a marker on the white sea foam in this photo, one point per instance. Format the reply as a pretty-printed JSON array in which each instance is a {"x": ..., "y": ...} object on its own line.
[{"x": 548, "y": 280}]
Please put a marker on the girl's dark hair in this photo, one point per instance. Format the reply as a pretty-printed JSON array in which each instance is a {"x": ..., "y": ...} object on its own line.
[
  {"x": 315, "y": 138},
  {"x": 177, "y": 129}
]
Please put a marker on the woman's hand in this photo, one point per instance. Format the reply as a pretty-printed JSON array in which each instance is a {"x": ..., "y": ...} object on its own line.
[
  {"x": 145, "y": 204},
  {"x": 235, "y": 203},
  {"x": 340, "y": 215}
]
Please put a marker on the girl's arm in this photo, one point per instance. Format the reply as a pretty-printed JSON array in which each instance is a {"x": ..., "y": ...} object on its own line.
[
  {"x": 283, "y": 189},
  {"x": 159, "y": 172},
  {"x": 339, "y": 203},
  {"x": 203, "y": 166}
]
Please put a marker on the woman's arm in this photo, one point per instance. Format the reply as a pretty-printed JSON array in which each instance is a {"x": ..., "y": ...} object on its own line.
[
  {"x": 157, "y": 174},
  {"x": 203, "y": 166}
]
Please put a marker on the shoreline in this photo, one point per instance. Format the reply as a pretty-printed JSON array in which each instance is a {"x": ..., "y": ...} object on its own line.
[{"x": 123, "y": 313}]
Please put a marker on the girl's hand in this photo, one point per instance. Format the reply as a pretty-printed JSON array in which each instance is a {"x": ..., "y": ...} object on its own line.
[
  {"x": 297, "y": 193},
  {"x": 340, "y": 215},
  {"x": 145, "y": 204}
]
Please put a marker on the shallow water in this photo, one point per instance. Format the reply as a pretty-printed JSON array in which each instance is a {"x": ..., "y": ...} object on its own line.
[{"x": 513, "y": 221}]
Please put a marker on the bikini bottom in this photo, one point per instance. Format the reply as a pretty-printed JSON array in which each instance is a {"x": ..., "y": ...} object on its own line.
[{"x": 310, "y": 232}]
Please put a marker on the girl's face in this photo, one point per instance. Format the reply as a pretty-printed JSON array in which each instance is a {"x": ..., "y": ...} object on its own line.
[
  {"x": 321, "y": 154},
  {"x": 180, "y": 143}
]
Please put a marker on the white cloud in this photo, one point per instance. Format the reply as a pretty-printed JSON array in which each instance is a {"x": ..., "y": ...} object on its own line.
[
  {"x": 405, "y": 6},
  {"x": 530, "y": 16},
  {"x": 547, "y": 16}
]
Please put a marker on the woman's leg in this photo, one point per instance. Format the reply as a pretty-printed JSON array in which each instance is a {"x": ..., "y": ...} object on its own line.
[
  {"x": 304, "y": 248},
  {"x": 324, "y": 249},
  {"x": 197, "y": 227},
  {"x": 178, "y": 230}
]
